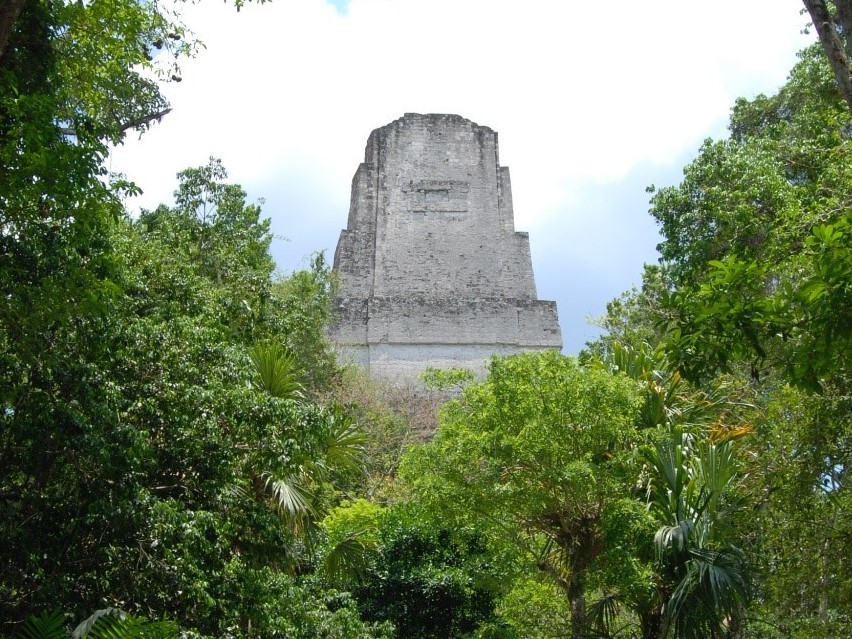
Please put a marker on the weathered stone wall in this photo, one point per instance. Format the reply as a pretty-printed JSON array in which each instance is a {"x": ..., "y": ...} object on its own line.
[{"x": 432, "y": 270}]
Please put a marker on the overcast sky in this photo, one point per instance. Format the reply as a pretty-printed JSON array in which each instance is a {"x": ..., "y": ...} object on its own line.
[{"x": 592, "y": 101}]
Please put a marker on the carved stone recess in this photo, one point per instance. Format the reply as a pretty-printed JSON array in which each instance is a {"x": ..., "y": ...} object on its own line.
[{"x": 432, "y": 270}]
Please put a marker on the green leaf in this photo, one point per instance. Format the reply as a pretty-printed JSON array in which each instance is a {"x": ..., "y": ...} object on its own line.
[{"x": 48, "y": 625}]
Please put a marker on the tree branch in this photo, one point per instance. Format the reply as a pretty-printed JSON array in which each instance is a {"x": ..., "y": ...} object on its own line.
[
  {"x": 132, "y": 124},
  {"x": 832, "y": 43}
]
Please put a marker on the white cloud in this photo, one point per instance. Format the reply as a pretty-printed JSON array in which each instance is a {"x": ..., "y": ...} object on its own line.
[{"x": 580, "y": 93}]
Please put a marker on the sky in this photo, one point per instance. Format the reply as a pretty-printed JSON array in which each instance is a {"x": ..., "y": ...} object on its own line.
[{"x": 592, "y": 102}]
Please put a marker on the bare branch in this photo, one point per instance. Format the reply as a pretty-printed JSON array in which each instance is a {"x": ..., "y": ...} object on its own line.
[{"x": 145, "y": 119}]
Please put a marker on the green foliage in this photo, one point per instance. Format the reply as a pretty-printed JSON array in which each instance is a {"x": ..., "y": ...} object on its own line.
[
  {"x": 803, "y": 524},
  {"x": 447, "y": 379},
  {"x": 153, "y": 466},
  {"x": 145, "y": 463},
  {"x": 352, "y": 533},
  {"x": 536, "y": 609},
  {"x": 538, "y": 453},
  {"x": 756, "y": 283},
  {"x": 689, "y": 495},
  {"x": 757, "y": 241},
  {"x": 48, "y": 625},
  {"x": 164, "y": 448},
  {"x": 428, "y": 580},
  {"x": 112, "y": 623},
  {"x": 300, "y": 309},
  {"x": 405, "y": 567},
  {"x": 109, "y": 623},
  {"x": 275, "y": 371}
]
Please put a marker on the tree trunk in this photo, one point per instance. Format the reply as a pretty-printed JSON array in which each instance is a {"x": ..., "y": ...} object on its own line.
[
  {"x": 577, "y": 597},
  {"x": 831, "y": 42},
  {"x": 9, "y": 12},
  {"x": 844, "y": 15},
  {"x": 651, "y": 623}
]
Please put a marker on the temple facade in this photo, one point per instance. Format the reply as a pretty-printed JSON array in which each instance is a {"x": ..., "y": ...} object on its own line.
[{"x": 432, "y": 272}]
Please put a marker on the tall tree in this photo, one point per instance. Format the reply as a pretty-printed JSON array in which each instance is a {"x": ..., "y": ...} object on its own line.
[
  {"x": 757, "y": 262},
  {"x": 689, "y": 493},
  {"x": 160, "y": 463},
  {"x": 540, "y": 450},
  {"x": 757, "y": 239},
  {"x": 404, "y": 566}
]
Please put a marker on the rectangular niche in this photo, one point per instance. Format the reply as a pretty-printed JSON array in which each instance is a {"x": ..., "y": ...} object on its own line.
[{"x": 435, "y": 195}]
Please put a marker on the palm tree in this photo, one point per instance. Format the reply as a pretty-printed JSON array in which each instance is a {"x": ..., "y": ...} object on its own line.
[
  {"x": 707, "y": 580},
  {"x": 340, "y": 441},
  {"x": 704, "y": 584}
]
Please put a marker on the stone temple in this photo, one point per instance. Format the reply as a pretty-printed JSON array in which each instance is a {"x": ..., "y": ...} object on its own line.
[{"x": 432, "y": 271}]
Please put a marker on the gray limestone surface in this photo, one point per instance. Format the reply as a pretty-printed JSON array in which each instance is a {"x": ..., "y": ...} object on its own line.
[{"x": 432, "y": 271}]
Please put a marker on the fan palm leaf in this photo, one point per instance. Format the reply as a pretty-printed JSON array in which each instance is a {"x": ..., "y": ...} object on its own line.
[
  {"x": 291, "y": 495},
  {"x": 275, "y": 369},
  {"x": 349, "y": 557},
  {"x": 714, "y": 589},
  {"x": 602, "y": 616},
  {"x": 344, "y": 442}
]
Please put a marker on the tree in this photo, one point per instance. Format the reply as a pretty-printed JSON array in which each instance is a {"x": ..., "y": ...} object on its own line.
[
  {"x": 135, "y": 450},
  {"x": 757, "y": 239},
  {"x": 405, "y": 567},
  {"x": 755, "y": 295},
  {"x": 162, "y": 465},
  {"x": 300, "y": 310},
  {"x": 539, "y": 451},
  {"x": 800, "y": 528},
  {"x": 60, "y": 106},
  {"x": 689, "y": 494}
]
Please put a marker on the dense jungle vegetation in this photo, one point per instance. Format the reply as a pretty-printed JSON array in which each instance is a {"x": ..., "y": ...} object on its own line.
[{"x": 180, "y": 450}]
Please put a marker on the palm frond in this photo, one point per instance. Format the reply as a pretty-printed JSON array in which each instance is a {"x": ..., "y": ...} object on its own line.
[
  {"x": 275, "y": 369},
  {"x": 291, "y": 495},
  {"x": 348, "y": 558},
  {"x": 130, "y": 627},
  {"x": 344, "y": 442},
  {"x": 715, "y": 467},
  {"x": 641, "y": 363},
  {"x": 673, "y": 540},
  {"x": 602, "y": 615},
  {"x": 48, "y": 625},
  {"x": 714, "y": 588},
  {"x": 86, "y": 625},
  {"x": 236, "y": 491},
  {"x": 723, "y": 576},
  {"x": 666, "y": 486},
  {"x": 108, "y": 623}
]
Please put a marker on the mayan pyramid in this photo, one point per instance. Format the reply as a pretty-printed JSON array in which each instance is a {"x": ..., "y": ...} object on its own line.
[{"x": 432, "y": 271}]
